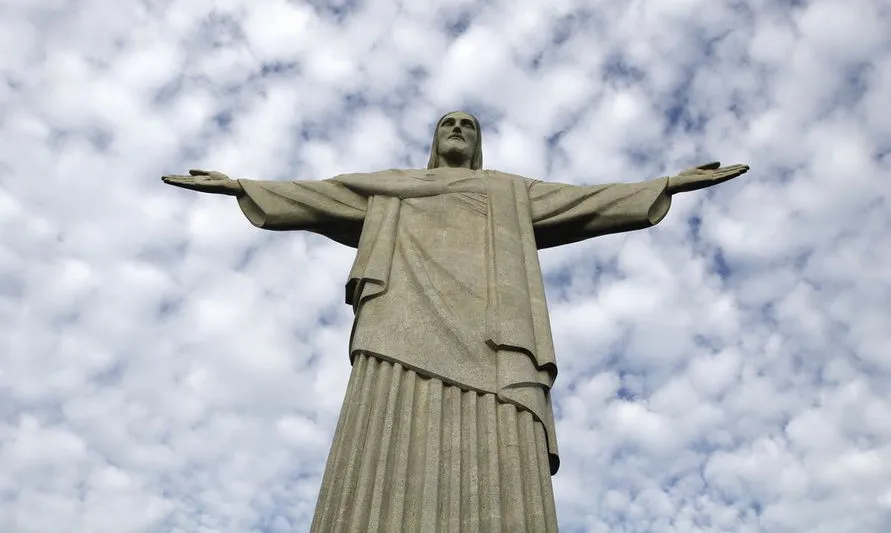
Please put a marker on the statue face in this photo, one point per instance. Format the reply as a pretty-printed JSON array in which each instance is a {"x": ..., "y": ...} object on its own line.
[{"x": 456, "y": 136}]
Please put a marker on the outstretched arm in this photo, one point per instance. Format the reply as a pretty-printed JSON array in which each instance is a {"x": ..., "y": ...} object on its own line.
[
  {"x": 562, "y": 214},
  {"x": 324, "y": 207}
]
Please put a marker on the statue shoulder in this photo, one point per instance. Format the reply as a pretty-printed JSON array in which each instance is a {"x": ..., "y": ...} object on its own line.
[{"x": 497, "y": 174}]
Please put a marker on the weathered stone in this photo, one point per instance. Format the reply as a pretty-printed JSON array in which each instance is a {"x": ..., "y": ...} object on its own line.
[{"x": 447, "y": 421}]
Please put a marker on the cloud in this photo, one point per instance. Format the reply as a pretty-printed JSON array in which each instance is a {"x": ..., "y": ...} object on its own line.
[{"x": 165, "y": 366}]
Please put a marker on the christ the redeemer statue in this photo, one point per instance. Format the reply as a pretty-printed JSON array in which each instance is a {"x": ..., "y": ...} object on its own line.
[{"x": 447, "y": 422}]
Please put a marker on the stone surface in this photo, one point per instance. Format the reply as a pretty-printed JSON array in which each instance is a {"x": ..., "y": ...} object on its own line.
[{"x": 447, "y": 421}]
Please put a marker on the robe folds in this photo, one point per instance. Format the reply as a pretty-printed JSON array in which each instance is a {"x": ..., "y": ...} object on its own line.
[{"x": 446, "y": 282}]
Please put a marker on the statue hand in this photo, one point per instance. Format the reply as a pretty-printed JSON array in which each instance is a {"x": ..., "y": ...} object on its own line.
[
  {"x": 206, "y": 181},
  {"x": 704, "y": 176}
]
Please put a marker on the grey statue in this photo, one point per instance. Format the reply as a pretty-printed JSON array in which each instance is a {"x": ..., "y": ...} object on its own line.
[{"x": 447, "y": 421}]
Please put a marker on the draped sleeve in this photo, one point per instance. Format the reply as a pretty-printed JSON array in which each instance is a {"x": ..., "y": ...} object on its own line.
[
  {"x": 563, "y": 214},
  {"x": 325, "y": 207}
]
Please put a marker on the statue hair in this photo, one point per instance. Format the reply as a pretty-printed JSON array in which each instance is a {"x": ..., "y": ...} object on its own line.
[{"x": 476, "y": 161}]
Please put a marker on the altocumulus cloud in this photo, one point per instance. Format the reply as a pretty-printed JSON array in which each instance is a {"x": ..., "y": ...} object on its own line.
[{"x": 166, "y": 367}]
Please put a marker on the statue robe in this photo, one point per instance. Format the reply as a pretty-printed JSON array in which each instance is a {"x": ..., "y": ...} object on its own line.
[{"x": 447, "y": 419}]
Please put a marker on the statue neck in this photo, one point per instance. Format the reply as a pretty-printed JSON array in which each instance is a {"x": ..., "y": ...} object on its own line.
[{"x": 454, "y": 162}]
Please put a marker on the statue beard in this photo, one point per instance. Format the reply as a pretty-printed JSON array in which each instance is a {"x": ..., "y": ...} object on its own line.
[{"x": 455, "y": 156}]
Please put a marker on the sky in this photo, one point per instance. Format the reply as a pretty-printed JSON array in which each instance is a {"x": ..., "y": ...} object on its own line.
[{"x": 167, "y": 367}]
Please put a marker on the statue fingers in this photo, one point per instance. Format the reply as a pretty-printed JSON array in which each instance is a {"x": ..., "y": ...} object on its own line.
[
  {"x": 726, "y": 173},
  {"x": 211, "y": 174},
  {"x": 176, "y": 179},
  {"x": 736, "y": 170},
  {"x": 196, "y": 183}
]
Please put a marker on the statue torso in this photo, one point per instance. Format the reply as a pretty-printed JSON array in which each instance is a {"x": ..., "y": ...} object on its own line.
[{"x": 433, "y": 313}]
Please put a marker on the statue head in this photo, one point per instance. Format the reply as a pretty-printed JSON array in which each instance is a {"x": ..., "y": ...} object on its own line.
[{"x": 457, "y": 142}]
